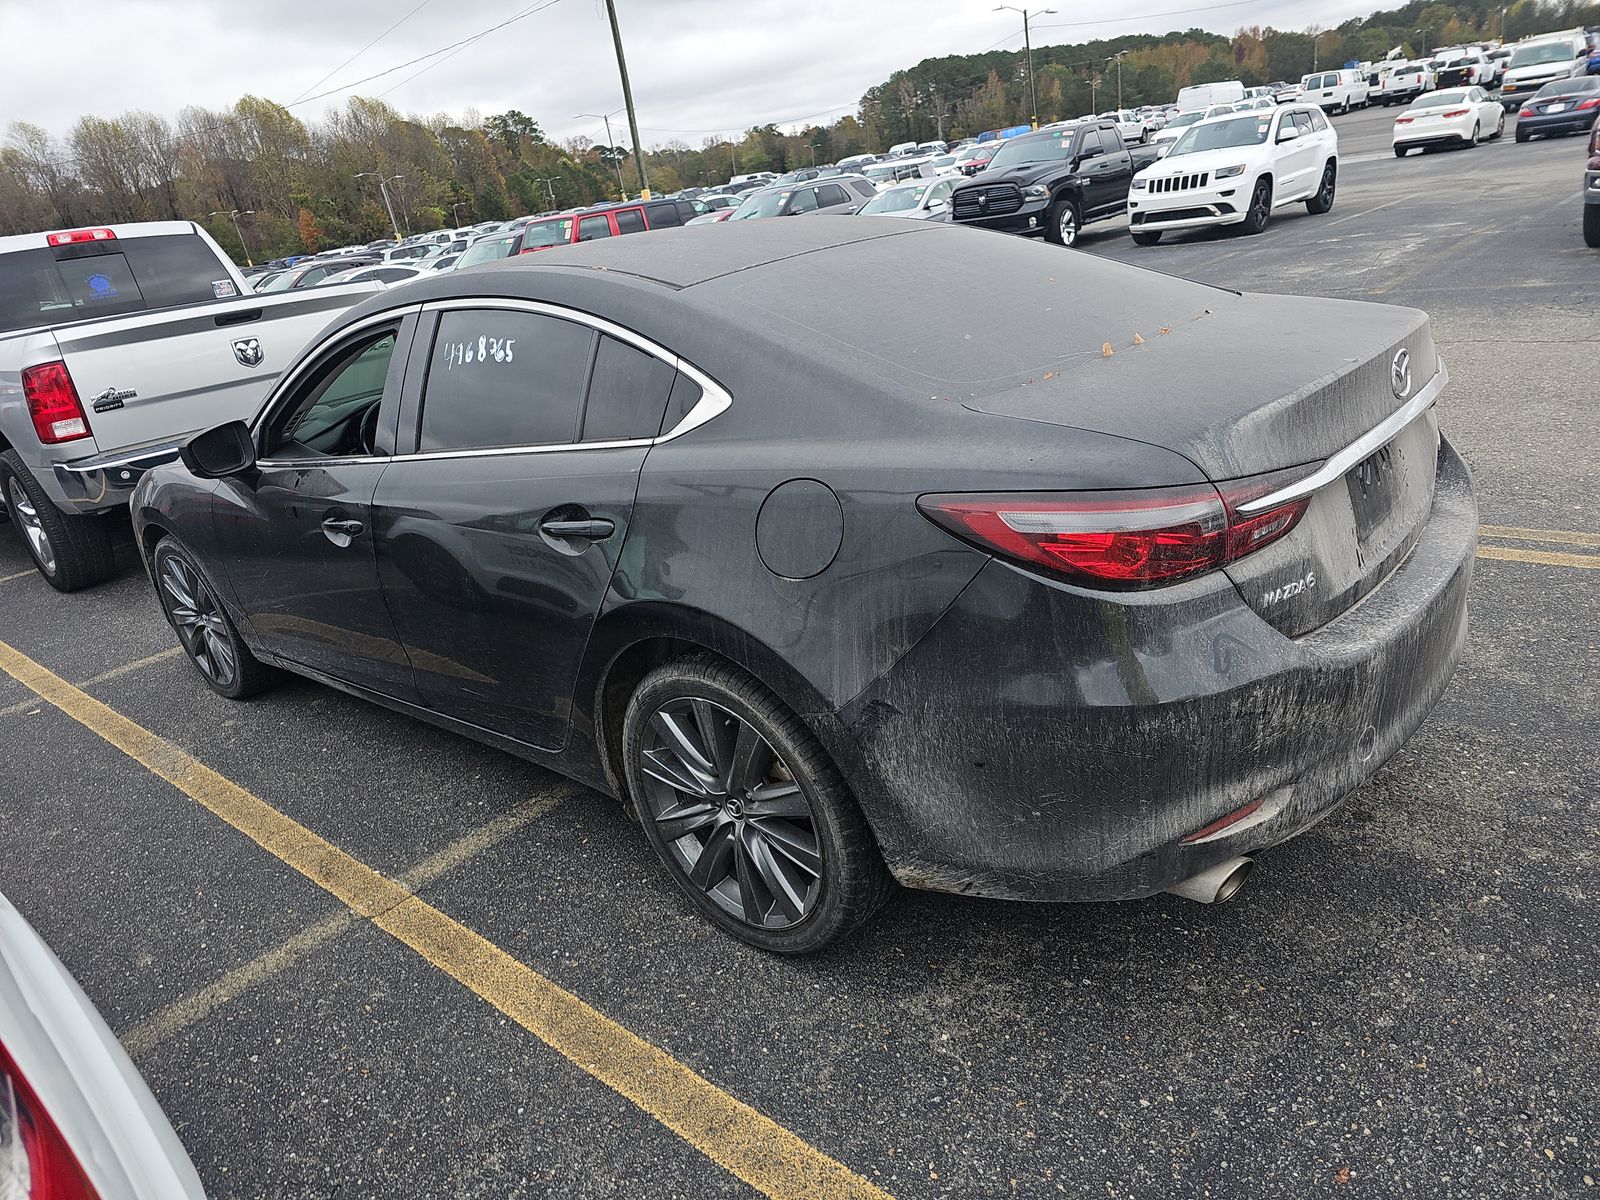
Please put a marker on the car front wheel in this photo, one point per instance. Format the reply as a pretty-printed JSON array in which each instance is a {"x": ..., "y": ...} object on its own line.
[
  {"x": 743, "y": 806},
  {"x": 1062, "y": 224},
  {"x": 1260, "y": 211},
  {"x": 204, "y": 630}
]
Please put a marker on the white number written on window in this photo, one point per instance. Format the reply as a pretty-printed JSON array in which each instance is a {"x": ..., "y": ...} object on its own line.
[{"x": 484, "y": 349}]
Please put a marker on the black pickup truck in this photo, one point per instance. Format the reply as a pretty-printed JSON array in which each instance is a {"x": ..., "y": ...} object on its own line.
[{"x": 1053, "y": 182}]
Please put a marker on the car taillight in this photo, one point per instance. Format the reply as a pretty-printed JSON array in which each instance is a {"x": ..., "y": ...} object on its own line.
[
  {"x": 1120, "y": 540},
  {"x": 1525, "y": 112},
  {"x": 1404, "y": 120},
  {"x": 1595, "y": 103},
  {"x": 53, "y": 403},
  {"x": 35, "y": 1161},
  {"x": 68, "y": 237},
  {"x": 1454, "y": 112}
]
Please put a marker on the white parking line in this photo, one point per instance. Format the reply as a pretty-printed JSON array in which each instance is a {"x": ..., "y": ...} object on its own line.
[
  {"x": 18, "y": 575},
  {"x": 1368, "y": 211}
]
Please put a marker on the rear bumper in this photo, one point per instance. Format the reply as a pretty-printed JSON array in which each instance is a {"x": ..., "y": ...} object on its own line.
[
  {"x": 1572, "y": 121},
  {"x": 107, "y": 480},
  {"x": 1048, "y": 743}
]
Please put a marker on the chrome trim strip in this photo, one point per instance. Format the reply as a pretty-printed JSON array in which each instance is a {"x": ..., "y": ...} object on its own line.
[
  {"x": 714, "y": 398},
  {"x": 150, "y": 456},
  {"x": 1374, "y": 439}
]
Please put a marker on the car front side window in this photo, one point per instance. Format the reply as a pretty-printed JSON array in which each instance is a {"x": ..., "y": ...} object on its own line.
[{"x": 334, "y": 411}]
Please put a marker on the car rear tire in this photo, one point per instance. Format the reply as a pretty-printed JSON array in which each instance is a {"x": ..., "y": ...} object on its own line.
[
  {"x": 1259, "y": 214},
  {"x": 1522, "y": 135},
  {"x": 1322, "y": 202},
  {"x": 71, "y": 552},
  {"x": 1477, "y": 132},
  {"x": 1591, "y": 226},
  {"x": 1145, "y": 237},
  {"x": 1500, "y": 126},
  {"x": 205, "y": 632},
  {"x": 1062, "y": 223},
  {"x": 743, "y": 806},
  {"x": 1400, "y": 151}
]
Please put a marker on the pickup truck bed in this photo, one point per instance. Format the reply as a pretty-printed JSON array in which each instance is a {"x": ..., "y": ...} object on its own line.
[{"x": 89, "y": 402}]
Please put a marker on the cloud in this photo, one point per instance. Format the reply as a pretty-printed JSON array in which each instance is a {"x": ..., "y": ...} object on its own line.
[{"x": 697, "y": 66}]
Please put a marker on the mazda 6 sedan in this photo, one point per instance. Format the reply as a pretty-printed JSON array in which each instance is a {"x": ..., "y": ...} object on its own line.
[{"x": 1067, "y": 587}]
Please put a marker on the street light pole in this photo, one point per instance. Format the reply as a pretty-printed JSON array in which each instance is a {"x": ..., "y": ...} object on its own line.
[
  {"x": 550, "y": 187},
  {"x": 1117, "y": 58},
  {"x": 1027, "y": 42},
  {"x": 234, "y": 217},
  {"x": 622, "y": 188},
  {"x": 627, "y": 100},
  {"x": 383, "y": 188},
  {"x": 454, "y": 207}
]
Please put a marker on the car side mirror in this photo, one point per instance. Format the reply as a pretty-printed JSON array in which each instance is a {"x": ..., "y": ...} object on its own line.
[
  {"x": 1289, "y": 134},
  {"x": 1088, "y": 152},
  {"x": 939, "y": 206},
  {"x": 220, "y": 452},
  {"x": 1163, "y": 149}
]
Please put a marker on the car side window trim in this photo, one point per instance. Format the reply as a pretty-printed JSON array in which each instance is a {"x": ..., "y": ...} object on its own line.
[{"x": 714, "y": 398}]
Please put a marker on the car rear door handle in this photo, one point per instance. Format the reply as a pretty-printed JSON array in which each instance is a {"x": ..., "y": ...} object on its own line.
[{"x": 592, "y": 530}]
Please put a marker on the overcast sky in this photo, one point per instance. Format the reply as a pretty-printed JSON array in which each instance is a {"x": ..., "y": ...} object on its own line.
[{"x": 698, "y": 67}]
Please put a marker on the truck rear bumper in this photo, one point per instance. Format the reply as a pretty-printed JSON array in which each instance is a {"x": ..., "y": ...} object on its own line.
[{"x": 107, "y": 480}]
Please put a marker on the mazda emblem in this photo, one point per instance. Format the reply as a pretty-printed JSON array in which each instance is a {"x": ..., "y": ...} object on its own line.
[{"x": 1400, "y": 374}]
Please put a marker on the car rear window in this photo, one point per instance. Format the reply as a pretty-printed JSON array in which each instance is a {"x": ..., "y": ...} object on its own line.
[{"x": 55, "y": 285}]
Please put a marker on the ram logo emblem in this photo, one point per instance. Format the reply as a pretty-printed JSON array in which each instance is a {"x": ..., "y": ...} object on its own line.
[{"x": 248, "y": 351}]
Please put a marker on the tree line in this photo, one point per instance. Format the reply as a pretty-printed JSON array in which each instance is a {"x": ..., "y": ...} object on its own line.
[{"x": 298, "y": 186}]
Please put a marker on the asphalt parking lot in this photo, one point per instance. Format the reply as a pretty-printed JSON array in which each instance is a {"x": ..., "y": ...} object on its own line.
[{"x": 1404, "y": 1002}]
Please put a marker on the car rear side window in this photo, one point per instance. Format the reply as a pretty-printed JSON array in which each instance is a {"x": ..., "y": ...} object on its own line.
[
  {"x": 831, "y": 193},
  {"x": 628, "y": 392},
  {"x": 630, "y": 220},
  {"x": 499, "y": 378},
  {"x": 51, "y": 286},
  {"x": 594, "y": 227}
]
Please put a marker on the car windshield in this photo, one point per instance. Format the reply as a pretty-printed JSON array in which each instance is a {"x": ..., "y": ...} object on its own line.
[
  {"x": 278, "y": 283},
  {"x": 1438, "y": 100},
  {"x": 762, "y": 204},
  {"x": 547, "y": 233},
  {"x": 1220, "y": 135},
  {"x": 1549, "y": 52},
  {"x": 896, "y": 199},
  {"x": 1023, "y": 150},
  {"x": 1184, "y": 119},
  {"x": 486, "y": 251},
  {"x": 1569, "y": 87}
]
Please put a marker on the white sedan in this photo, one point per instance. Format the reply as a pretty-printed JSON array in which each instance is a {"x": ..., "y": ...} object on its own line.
[
  {"x": 920, "y": 199},
  {"x": 1453, "y": 117}
]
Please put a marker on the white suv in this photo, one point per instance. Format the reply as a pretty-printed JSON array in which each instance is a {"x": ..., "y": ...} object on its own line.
[{"x": 1234, "y": 170}]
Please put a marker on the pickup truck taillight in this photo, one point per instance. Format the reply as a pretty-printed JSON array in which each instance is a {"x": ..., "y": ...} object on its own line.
[{"x": 53, "y": 404}]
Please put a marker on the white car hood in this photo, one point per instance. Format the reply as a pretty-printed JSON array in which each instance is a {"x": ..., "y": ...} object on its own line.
[{"x": 1204, "y": 160}]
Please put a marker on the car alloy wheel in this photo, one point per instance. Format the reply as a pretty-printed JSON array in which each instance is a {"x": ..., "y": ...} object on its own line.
[
  {"x": 198, "y": 619},
  {"x": 27, "y": 518},
  {"x": 1260, "y": 211},
  {"x": 731, "y": 814}
]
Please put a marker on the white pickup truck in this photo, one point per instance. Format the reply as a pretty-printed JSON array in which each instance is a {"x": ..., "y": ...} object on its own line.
[{"x": 116, "y": 344}]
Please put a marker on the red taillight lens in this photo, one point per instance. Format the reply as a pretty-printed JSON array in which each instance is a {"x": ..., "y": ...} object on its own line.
[
  {"x": 53, "y": 403},
  {"x": 1404, "y": 120},
  {"x": 1118, "y": 540},
  {"x": 1595, "y": 103},
  {"x": 68, "y": 236},
  {"x": 1454, "y": 112},
  {"x": 35, "y": 1161},
  {"x": 1525, "y": 112}
]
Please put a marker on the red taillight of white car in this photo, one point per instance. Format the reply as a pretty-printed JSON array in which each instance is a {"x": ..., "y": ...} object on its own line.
[
  {"x": 1404, "y": 120},
  {"x": 1453, "y": 113},
  {"x": 53, "y": 403},
  {"x": 1121, "y": 540},
  {"x": 35, "y": 1161}
]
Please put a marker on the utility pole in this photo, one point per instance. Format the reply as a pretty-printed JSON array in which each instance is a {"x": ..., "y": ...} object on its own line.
[
  {"x": 627, "y": 100},
  {"x": 545, "y": 179},
  {"x": 1094, "y": 84},
  {"x": 234, "y": 217},
  {"x": 1117, "y": 58},
  {"x": 383, "y": 187},
  {"x": 1027, "y": 42},
  {"x": 622, "y": 188}
]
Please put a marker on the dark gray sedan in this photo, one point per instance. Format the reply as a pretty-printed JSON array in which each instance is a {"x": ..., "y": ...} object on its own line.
[{"x": 1081, "y": 583}]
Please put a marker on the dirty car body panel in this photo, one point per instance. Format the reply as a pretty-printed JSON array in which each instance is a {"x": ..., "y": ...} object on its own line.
[{"x": 1006, "y": 729}]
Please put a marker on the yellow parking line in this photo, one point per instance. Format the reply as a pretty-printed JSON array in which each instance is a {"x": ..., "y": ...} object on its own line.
[
  {"x": 744, "y": 1142},
  {"x": 1560, "y": 537},
  {"x": 1548, "y": 558}
]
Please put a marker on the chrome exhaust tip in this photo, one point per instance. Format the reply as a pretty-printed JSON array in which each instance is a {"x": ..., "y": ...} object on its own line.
[{"x": 1217, "y": 884}]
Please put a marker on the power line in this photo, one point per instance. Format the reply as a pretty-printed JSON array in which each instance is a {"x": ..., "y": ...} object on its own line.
[
  {"x": 1176, "y": 12},
  {"x": 365, "y": 48}
]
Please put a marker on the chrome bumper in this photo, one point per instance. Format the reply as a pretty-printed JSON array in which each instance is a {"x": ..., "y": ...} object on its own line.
[{"x": 106, "y": 481}]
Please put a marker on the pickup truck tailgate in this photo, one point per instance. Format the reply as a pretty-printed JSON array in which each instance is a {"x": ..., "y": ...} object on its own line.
[{"x": 160, "y": 376}]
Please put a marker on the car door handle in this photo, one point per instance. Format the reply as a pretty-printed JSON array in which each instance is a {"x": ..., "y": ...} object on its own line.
[
  {"x": 339, "y": 531},
  {"x": 592, "y": 530}
]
